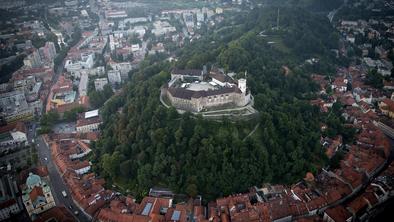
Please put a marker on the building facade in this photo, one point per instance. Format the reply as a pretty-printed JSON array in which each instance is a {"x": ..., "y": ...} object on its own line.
[
  {"x": 8, "y": 208},
  {"x": 188, "y": 90},
  {"x": 37, "y": 196}
]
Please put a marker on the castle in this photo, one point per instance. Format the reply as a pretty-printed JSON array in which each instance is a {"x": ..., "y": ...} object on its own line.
[{"x": 196, "y": 90}]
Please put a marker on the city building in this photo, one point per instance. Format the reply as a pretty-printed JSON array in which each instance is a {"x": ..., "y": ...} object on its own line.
[
  {"x": 74, "y": 66},
  {"x": 83, "y": 85},
  {"x": 123, "y": 67},
  {"x": 115, "y": 14},
  {"x": 114, "y": 77},
  {"x": 8, "y": 208},
  {"x": 48, "y": 52},
  {"x": 36, "y": 195},
  {"x": 162, "y": 27},
  {"x": 100, "y": 83},
  {"x": 33, "y": 60},
  {"x": 387, "y": 107},
  {"x": 13, "y": 106},
  {"x": 9, "y": 195},
  {"x": 88, "y": 121}
]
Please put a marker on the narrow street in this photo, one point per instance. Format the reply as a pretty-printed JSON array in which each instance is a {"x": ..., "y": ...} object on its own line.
[{"x": 56, "y": 181}]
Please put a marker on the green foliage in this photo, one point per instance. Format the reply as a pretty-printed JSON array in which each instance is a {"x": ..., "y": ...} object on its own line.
[
  {"x": 7, "y": 69},
  {"x": 47, "y": 121},
  {"x": 98, "y": 98},
  {"x": 154, "y": 146},
  {"x": 336, "y": 160},
  {"x": 50, "y": 118},
  {"x": 72, "y": 114},
  {"x": 374, "y": 79}
]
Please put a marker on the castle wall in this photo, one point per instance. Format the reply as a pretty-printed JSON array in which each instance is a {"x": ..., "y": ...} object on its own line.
[{"x": 198, "y": 104}]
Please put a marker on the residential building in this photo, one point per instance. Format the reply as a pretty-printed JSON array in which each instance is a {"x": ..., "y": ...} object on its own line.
[
  {"x": 88, "y": 122},
  {"x": 85, "y": 61},
  {"x": 13, "y": 106},
  {"x": 123, "y": 67},
  {"x": 100, "y": 83},
  {"x": 83, "y": 85},
  {"x": 162, "y": 27},
  {"x": 114, "y": 77},
  {"x": 115, "y": 14},
  {"x": 387, "y": 107},
  {"x": 48, "y": 51},
  {"x": 337, "y": 214},
  {"x": 8, "y": 208},
  {"x": 33, "y": 60}
]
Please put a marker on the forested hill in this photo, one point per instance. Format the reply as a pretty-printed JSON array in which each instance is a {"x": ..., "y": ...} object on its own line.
[
  {"x": 145, "y": 145},
  {"x": 315, "y": 6}
]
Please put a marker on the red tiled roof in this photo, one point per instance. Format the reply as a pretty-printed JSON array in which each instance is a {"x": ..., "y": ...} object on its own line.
[
  {"x": 106, "y": 214},
  {"x": 35, "y": 193},
  {"x": 7, "y": 128},
  {"x": 358, "y": 204},
  {"x": 60, "y": 214},
  {"x": 7, "y": 203},
  {"x": 389, "y": 103},
  {"x": 338, "y": 213},
  {"x": 89, "y": 121}
]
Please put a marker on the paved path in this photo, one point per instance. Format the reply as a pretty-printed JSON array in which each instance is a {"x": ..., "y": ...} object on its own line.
[{"x": 253, "y": 131}]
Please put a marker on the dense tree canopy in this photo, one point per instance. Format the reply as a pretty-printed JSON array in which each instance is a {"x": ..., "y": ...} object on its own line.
[{"x": 145, "y": 144}]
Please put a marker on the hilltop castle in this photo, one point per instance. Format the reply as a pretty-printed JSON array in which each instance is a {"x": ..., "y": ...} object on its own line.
[{"x": 196, "y": 90}]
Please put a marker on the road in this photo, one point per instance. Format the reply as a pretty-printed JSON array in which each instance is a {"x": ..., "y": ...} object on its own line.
[
  {"x": 56, "y": 181},
  {"x": 332, "y": 14}
]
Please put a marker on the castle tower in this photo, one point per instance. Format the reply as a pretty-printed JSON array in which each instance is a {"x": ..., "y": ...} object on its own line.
[{"x": 242, "y": 85}]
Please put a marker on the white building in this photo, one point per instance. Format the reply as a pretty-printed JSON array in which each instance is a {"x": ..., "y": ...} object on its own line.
[
  {"x": 123, "y": 67},
  {"x": 85, "y": 168},
  {"x": 139, "y": 30},
  {"x": 60, "y": 39},
  {"x": 114, "y": 77},
  {"x": 89, "y": 122},
  {"x": 162, "y": 27},
  {"x": 135, "y": 20},
  {"x": 200, "y": 17},
  {"x": 19, "y": 137},
  {"x": 100, "y": 83},
  {"x": 115, "y": 14},
  {"x": 83, "y": 85},
  {"x": 219, "y": 10},
  {"x": 135, "y": 47},
  {"x": 85, "y": 62}
]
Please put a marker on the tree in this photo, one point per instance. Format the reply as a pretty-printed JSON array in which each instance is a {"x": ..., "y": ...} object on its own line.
[
  {"x": 192, "y": 155},
  {"x": 73, "y": 113},
  {"x": 374, "y": 79}
]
